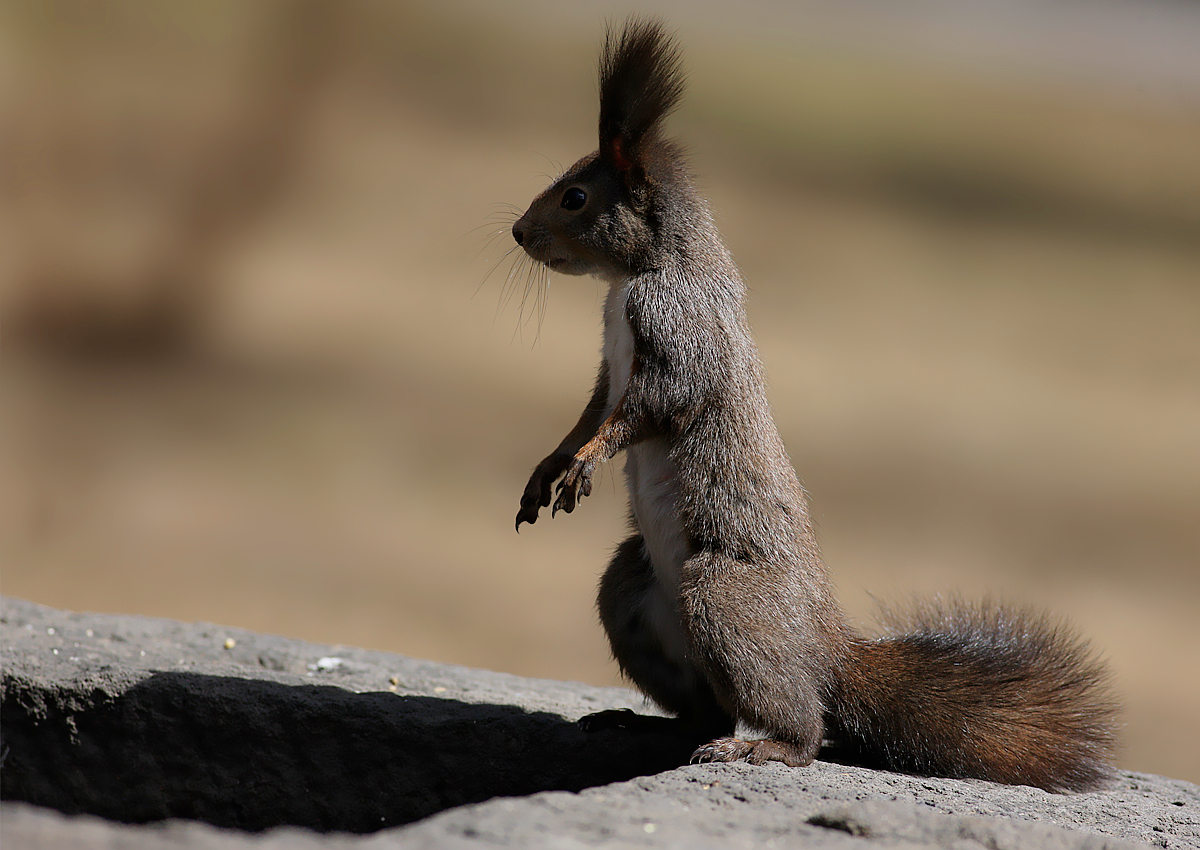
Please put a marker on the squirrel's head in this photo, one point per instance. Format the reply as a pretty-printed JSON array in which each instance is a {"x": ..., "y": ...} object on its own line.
[{"x": 604, "y": 215}]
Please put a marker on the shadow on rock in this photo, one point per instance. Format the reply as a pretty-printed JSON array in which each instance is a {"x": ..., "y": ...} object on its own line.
[{"x": 252, "y": 754}]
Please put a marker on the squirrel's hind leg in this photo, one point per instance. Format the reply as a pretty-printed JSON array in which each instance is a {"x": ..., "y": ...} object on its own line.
[
  {"x": 641, "y": 619},
  {"x": 770, "y": 658}
]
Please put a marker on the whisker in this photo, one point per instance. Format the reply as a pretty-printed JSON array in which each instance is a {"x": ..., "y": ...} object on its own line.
[
  {"x": 525, "y": 276},
  {"x": 490, "y": 240},
  {"x": 500, "y": 214},
  {"x": 557, "y": 166},
  {"x": 500, "y": 223},
  {"x": 508, "y": 288},
  {"x": 530, "y": 286},
  {"x": 493, "y": 268},
  {"x": 543, "y": 298},
  {"x": 536, "y": 276},
  {"x": 517, "y": 327}
]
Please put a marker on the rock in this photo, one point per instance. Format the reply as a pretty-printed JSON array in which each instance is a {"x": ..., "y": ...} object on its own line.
[{"x": 134, "y": 732}]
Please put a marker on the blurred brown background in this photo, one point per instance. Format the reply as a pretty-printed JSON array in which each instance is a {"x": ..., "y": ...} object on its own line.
[{"x": 263, "y": 365}]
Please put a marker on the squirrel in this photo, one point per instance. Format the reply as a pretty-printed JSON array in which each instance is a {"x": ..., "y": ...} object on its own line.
[{"x": 719, "y": 606}]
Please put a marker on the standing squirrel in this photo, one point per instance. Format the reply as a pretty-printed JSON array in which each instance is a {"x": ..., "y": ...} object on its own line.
[{"x": 719, "y": 606}]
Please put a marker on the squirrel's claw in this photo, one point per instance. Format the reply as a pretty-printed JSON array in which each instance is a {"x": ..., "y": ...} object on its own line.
[
  {"x": 528, "y": 513},
  {"x": 722, "y": 749},
  {"x": 566, "y": 498},
  {"x": 576, "y": 484},
  {"x": 537, "y": 493}
]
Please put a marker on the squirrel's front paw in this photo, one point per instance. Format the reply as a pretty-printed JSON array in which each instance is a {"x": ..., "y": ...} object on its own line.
[
  {"x": 535, "y": 497},
  {"x": 576, "y": 484},
  {"x": 537, "y": 491}
]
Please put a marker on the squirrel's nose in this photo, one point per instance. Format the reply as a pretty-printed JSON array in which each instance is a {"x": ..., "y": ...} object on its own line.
[{"x": 518, "y": 233}]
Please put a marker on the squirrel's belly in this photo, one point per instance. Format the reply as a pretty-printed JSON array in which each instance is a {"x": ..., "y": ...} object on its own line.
[{"x": 654, "y": 498}]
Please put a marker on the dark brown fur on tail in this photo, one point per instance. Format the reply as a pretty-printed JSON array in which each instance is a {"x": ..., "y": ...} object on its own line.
[
  {"x": 983, "y": 691},
  {"x": 718, "y": 605}
]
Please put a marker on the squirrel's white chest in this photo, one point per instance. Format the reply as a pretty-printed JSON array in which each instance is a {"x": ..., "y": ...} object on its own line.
[
  {"x": 649, "y": 471},
  {"x": 618, "y": 343}
]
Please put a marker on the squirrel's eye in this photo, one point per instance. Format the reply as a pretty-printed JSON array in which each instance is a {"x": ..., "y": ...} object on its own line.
[{"x": 574, "y": 199}]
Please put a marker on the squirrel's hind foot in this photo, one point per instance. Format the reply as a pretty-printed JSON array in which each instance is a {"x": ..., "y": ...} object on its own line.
[{"x": 754, "y": 752}]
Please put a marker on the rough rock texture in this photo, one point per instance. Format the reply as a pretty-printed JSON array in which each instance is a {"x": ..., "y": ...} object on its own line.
[{"x": 213, "y": 737}]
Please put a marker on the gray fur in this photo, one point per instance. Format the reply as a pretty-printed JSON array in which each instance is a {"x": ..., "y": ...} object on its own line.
[{"x": 719, "y": 606}]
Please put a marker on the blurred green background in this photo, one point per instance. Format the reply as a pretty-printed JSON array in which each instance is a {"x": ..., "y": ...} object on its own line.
[{"x": 264, "y": 363}]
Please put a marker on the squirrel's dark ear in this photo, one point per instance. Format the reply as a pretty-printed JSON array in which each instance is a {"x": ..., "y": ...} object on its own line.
[{"x": 641, "y": 81}]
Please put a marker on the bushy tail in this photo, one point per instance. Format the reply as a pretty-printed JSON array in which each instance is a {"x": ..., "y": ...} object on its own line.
[{"x": 980, "y": 691}]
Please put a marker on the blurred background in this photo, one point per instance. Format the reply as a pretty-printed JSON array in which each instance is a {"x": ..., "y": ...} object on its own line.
[{"x": 266, "y": 363}]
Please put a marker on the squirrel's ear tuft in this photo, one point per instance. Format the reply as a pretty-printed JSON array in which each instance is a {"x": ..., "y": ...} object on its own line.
[{"x": 641, "y": 81}]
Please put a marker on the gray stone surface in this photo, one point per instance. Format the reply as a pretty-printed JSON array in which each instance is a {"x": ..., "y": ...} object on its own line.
[{"x": 128, "y": 732}]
